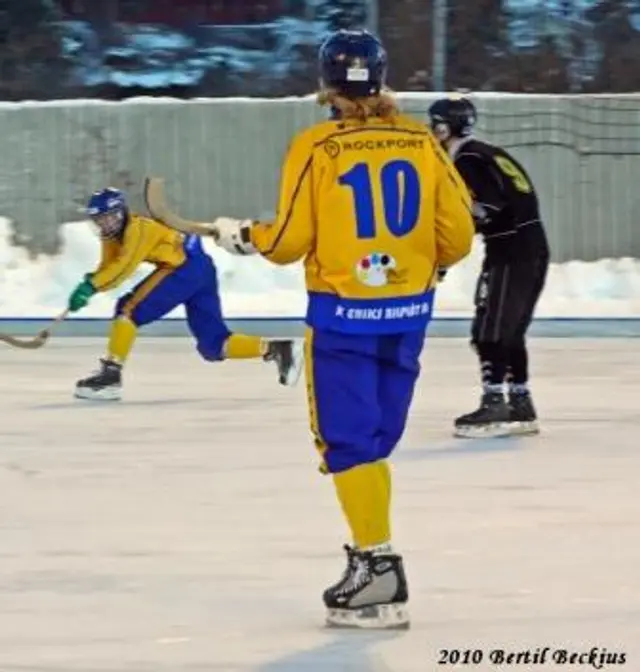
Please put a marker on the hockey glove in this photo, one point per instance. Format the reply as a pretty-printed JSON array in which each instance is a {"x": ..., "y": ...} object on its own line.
[
  {"x": 234, "y": 235},
  {"x": 81, "y": 295}
]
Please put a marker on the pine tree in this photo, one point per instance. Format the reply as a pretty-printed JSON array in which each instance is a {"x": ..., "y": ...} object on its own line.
[
  {"x": 477, "y": 44},
  {"x": 32, "y": 63},
  {"x": 542, "y": 50},
  {"x": 343, "y": 14},
  {"x": 405, "y": 27},
  {"x": 619, "y": 45}
]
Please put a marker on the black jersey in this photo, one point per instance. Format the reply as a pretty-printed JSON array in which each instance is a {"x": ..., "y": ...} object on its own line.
[{"x": 506, "y": 206}]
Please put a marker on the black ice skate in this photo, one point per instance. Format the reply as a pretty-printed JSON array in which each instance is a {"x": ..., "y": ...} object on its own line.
[
  {"x": 289, "y": 358},
  {"x": 492, "y": 419},
  {"x": 523, "y": 418},
  {"x": 372, "y": 593},
  {"x": 103, "y": 385}
]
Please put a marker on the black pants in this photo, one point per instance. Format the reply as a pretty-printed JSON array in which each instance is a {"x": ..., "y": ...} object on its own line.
[{"x": 506, "y": 297}]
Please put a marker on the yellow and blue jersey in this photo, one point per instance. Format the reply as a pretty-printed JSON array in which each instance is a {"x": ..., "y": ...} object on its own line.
[
  {"x": 143, "y": 240},
  {"x": 184, "y": 275},
  {"x": 374, "y": 209}
]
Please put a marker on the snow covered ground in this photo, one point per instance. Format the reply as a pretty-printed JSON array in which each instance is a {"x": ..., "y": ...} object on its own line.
[{"x": 38, "y": 287}]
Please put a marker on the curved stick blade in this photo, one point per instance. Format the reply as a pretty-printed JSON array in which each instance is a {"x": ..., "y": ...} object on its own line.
[
  {"x": 38, "y": 340},
  {"x": 28, "y": 344},
  {"x": 156, "y": 202}
]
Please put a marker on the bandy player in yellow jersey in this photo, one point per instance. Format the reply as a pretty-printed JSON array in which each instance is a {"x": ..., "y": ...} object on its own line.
[
  {"x": 373, "y": 205},
  {"x": 184, "y": 275}
]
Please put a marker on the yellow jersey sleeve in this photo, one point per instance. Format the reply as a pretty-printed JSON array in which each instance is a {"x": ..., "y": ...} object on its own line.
[
  {"x": 136, "y": 245},
  {"x": 290, "y": 237},
  {"x": 108, "y": 252},
  {"x": 454, "y": 222}
]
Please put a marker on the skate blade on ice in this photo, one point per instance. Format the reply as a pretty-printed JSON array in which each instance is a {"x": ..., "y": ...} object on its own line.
[
  {"x": 297, "y": 354},
  {"x": 375, "y": 617},
  {"x": 493, "y": 431},
  {"x": 525, "y": 428},
  {"x": 106, "y": 394}
]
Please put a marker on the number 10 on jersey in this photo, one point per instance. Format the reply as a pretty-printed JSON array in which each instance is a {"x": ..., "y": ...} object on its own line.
[{"x": 398, "y": 189}]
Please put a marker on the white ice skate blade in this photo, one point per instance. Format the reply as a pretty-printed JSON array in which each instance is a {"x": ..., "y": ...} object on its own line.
[
  {"x": 377, "y": 617},
  {"x": 293, "y": 376},
  {"x": 524, "y": 428},
  {"x": 107, "y": 394},
  {"x": 493, "y": 431}
]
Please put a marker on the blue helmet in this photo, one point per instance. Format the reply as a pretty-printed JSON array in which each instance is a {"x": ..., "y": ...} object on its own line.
[
  {"x": 354, "y": 63},
  {"x": 453, "y": 117},
  {"x": 108, "y": 209}
]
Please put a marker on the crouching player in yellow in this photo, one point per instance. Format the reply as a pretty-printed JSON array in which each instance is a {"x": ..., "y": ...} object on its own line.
[
  {"x": 374, "y": 206},
  {"x": 184, "y": 275}
]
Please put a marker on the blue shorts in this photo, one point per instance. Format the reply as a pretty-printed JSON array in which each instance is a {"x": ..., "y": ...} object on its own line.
[
  {"x": 194, "y": 284},
  {"x": 359, "y": 390}
]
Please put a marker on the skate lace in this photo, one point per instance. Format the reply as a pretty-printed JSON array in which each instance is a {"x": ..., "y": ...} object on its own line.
[
  {"x": 352, "y": 561},
  {"x": 105, "y": 365},
  {"x": 357, "y": 573},
  {"x": 98, "y": 371}
]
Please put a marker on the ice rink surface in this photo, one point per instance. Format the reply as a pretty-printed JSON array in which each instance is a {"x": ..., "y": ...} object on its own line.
[{"x": 187, "y": 528}]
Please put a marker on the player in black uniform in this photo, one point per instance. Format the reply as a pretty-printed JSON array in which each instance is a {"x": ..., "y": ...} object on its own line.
[{"x": 516, "y": 260}]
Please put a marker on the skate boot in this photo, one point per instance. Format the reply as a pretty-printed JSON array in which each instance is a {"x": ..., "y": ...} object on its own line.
[
  {"x": 371, "y": 594},
  {"x": 523, "y": 418},
  {"x": 103, "y": 385},
  {"x": 289, "y": 358},
  {"x": 492, "y": 419}
]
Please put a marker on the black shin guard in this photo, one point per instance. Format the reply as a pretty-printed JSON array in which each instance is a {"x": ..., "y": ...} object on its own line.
[
  {"x": 518, "y": 366},
  {"x": 493, "y": 362}
]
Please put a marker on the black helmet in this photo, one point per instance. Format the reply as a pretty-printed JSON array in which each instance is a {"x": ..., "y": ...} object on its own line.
[{"x": 458, "y": 115}]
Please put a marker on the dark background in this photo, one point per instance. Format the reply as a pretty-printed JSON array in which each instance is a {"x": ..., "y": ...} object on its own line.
[{"x": 117, "y": 49}]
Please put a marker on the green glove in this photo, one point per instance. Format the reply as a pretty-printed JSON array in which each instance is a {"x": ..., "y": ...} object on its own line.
[{"x": 81, "y": 294}]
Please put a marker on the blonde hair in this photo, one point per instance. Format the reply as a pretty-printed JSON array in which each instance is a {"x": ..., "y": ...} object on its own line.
[{"x": 381, "y": 105}]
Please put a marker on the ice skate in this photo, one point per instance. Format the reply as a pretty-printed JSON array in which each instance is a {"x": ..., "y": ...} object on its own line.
[
  {"x": 289, "y": 358},
  {"x": 103, "y": 385},
  {"x": 372, "y": 593},
  {"x": 492, "y": 419},
  {"x": 523, "y": 418}
]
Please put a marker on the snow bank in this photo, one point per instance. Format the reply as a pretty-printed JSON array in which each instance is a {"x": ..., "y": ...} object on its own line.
[{"x": 251, "y": 287}]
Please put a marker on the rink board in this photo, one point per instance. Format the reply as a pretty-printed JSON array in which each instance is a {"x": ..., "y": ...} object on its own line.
[
  {"x": 455, "y": 327},
  {"x": 187, "y": 529}
]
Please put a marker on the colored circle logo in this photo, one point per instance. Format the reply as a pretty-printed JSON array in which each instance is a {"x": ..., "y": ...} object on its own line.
[{"x": 372, "y": 270}]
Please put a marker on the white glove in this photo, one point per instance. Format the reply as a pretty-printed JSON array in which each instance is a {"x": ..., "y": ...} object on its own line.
[
  {"x": 480, "y": 216},
  {"x": 234, "y": 235}
]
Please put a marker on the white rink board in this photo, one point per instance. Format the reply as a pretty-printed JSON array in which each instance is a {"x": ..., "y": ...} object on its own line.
[{"x": 187, "y": 529}]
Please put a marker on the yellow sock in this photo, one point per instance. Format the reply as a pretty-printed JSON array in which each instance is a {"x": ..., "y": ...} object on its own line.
[
  {"x": 363, "y": 494},
  {"x": 121, "y": 339},
  {"x": 385, "y": 472},
  {"x": 241, "y": 346}
]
